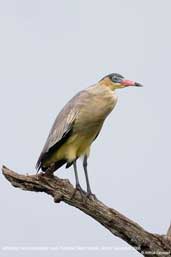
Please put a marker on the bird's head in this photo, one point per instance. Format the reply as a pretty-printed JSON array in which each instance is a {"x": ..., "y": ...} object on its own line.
[{"x": 115, "y": 81}]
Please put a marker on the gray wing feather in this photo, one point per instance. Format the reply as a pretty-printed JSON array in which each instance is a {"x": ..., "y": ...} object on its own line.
[{"x": 63, "y": 124}]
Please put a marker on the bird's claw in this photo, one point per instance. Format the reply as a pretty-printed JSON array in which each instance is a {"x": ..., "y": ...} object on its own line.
[
  {"x": 79, "y": 189},
  {"x": 91, "y": 196},
  {"x": 84, "y": 195}
]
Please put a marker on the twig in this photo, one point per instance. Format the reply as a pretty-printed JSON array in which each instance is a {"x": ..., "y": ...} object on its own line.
[{"x": 144, "y": 242}]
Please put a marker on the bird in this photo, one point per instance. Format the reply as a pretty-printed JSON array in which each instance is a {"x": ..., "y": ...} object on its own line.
[{"x": 77, "y": 126}]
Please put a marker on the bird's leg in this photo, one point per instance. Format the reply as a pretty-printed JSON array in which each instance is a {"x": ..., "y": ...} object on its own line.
[
  {"x": 86, "y": 174},
  {"x": 89, "y": 193},
  {"x": 78, "y": 186}
]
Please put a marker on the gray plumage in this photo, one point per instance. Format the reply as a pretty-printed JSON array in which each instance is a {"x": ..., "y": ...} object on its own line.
[
  {"x": 78, "y": 125},
  {"x": 81, "y": 105}
]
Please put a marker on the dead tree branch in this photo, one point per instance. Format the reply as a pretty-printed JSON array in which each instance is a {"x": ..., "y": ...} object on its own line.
[{"x": 146, "y": 243}]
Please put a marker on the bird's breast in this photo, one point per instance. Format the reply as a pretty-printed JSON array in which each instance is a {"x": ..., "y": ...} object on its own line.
[{"x": 94, "y": 111}]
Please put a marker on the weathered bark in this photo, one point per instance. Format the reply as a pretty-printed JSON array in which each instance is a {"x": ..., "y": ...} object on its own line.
[{"x": 146, "y": 243}]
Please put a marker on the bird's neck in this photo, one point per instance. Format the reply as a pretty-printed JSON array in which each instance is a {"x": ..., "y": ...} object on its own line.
[{"x": 106, "y": 82}]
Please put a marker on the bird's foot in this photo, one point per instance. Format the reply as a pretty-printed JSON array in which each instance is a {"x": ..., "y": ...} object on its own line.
[
  {"x": 79, "y": 189},
  {"x": 84, "y": 195},
  {"x": 90, "y": 195}
]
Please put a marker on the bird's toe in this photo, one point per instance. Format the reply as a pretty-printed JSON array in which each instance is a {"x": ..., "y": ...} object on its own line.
[
  {"x": 79, "y": 189},
  {"x": 91, "y": 196}
]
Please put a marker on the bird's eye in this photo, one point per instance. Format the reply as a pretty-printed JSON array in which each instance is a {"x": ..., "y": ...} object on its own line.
[{"x": 116, "y": 79}]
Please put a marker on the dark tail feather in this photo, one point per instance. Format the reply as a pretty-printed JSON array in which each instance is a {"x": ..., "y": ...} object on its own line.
[
  {"x": 56, "y": 165},
  {"x": 39, "y": 162},
  {"x": 69, "y": 164}
]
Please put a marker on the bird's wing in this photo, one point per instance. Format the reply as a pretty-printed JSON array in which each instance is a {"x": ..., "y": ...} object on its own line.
[{"x": 62, "y": 127}]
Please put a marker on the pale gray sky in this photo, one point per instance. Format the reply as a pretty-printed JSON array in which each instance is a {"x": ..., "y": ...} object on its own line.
[{"x": 49, "y": 50}]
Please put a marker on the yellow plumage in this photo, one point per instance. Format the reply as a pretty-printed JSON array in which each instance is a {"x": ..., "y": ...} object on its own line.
[{"x": 74, "y": 147}]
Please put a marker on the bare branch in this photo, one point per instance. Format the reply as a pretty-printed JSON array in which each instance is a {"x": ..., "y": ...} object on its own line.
[
  {"x": 169, "y": 231},
  {"x": 144, "y": 242},
  {"x": 168, "y": 234}
]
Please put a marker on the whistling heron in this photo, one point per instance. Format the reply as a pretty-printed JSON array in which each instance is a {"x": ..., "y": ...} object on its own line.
[{"x": 78, "y": 125}]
